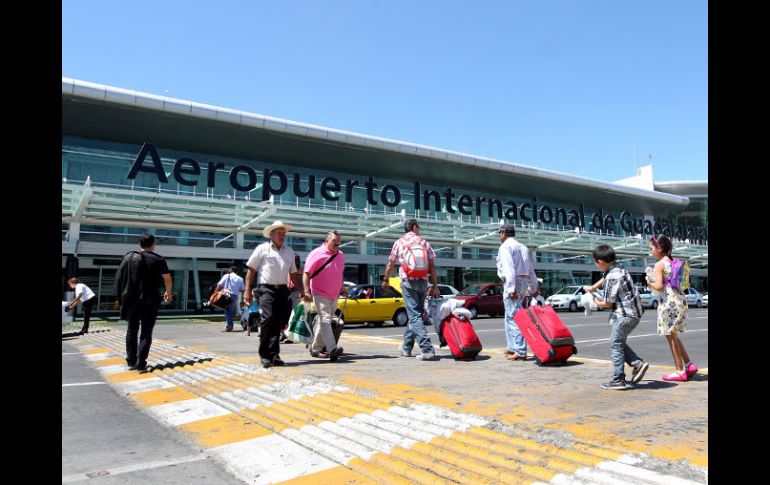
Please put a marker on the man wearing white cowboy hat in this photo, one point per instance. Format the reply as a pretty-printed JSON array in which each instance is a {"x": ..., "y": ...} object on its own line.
[{"x": 274, "y": 261}]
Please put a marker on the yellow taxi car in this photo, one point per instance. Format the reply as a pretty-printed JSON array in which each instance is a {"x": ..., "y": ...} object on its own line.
[{"x": 372, "y": 304}]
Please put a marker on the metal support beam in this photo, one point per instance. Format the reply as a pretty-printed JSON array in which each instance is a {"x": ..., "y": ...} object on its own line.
[
  {"x": 82, "y": 204},
  {"x": 556, "y": 243},
  {"x": 477, "y": 238},
  {"x": 388, "y": 228},
  {"x": 267, "y": 212}
]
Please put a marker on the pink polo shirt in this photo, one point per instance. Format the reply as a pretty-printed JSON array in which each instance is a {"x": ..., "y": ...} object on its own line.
[{"x": 328, "y": 282}]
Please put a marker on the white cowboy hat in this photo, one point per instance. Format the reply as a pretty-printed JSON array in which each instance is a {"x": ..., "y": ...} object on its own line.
[{"x": 266, "y": 231}]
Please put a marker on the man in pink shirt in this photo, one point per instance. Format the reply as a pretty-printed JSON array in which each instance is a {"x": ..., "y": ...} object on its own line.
[{"x": 323, "y": 283}]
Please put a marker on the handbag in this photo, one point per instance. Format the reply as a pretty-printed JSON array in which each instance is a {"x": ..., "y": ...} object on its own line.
[{"x": 221, "y": 298}]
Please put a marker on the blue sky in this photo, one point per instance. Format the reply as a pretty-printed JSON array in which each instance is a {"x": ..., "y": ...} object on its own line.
[{"x": 585, "y": 87}]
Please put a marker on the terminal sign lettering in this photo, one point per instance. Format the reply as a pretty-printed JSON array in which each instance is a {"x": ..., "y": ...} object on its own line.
[{"x": 275, "y": 183}]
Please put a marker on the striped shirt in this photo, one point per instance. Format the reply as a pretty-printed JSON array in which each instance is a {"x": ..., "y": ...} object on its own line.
[{"x": 621, "y": 291}]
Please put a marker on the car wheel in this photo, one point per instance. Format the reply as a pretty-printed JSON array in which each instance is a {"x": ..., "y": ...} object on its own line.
[
  {"x": 654, "y": 305},
  {"x": 572, "y": 306},
  {"x": 699, "y": 304},
  {"x": 400, "y": 318},
  {"x": 474, "y": 312}
]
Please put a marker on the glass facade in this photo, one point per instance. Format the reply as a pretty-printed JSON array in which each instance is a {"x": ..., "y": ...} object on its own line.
[{"x": 107, "y": 164}]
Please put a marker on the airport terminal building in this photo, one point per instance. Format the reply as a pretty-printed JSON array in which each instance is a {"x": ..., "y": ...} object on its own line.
[{"x": 206, "y": 180}]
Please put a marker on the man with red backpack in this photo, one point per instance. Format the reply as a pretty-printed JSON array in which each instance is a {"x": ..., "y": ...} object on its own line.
[{"x": 417, "y": 261}]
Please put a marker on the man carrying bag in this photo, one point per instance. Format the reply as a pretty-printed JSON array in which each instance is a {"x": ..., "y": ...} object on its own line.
[{"x": 323, "y": 283}]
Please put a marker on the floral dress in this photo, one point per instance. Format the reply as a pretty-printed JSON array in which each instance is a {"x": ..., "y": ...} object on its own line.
[{"x": 672, "y": 311}]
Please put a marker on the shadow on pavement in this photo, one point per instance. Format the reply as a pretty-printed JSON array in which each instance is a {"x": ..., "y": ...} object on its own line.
[
  {"x": 478, "y": 358},
  {"x": 344, "y": 359},
  {"x": 700, "y": 378},
  {"x": 569, "y": 363},
  {"x": 653, "y": 385},
  {"x": 170, "y": 365}
]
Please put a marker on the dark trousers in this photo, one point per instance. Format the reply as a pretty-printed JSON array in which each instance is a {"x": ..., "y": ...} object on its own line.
[
  {"x": 87, "y": 307},
  {"x": 275, "y": 309},
  {"x": 141, "y": 314}
]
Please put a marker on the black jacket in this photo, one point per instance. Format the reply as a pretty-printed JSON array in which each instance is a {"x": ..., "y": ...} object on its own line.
[{"x": 128, "y": 280}]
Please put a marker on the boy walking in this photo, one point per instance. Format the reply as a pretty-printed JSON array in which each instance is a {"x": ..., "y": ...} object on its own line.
[{"x": 620, "y": 294}]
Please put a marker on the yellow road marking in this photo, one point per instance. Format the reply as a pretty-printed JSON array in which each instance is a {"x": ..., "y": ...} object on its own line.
[
  {"x": 166, "y": 395},
  {"x": 223, "y": 430},
  {"x": 337, "y": 475},
  {"x": 98, "y": 350},
  {"x": 106, "y": 362},
  {"x": 127, "y": 377}
]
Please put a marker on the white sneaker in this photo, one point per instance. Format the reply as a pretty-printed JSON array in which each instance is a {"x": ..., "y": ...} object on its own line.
[{"x": 427, "y": 356}]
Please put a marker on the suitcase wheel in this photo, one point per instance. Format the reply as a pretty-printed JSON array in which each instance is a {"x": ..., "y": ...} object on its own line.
[
  {"x": 551, "y": 353},
  {"x": 538, "y": 361},
  {"x": 574, "y": 350}
]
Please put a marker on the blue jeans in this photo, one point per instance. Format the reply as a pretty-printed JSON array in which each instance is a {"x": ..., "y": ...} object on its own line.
[
  {"x": 621, "y": 352},
  {"x": 414, "y": 293},
  {"x": 230, "y": 311},
  {"x": 513, "y": 336}
]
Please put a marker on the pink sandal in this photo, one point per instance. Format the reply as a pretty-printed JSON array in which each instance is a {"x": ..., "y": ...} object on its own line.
[
  {"x": 675, "y": 376},
  {"x": 691, "y": 369}
]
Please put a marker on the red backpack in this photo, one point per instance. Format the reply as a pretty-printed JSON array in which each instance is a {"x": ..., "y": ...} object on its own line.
[{"x": 415, "y": 260}]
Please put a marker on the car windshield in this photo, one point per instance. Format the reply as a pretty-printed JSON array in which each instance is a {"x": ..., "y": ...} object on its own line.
[
  {"x": 471, "y": 290},
  {"x": 567, "y": 290}
]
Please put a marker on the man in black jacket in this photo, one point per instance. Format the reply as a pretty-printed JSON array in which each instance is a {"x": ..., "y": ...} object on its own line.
[{"x": 137, "y": 286}]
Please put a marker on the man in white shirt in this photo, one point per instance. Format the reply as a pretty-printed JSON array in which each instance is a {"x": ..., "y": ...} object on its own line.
[
  {"x": 517, "y": 271},
  {"x": 85, "y": 295},
  {"x": 274, "y": 261},
  {"x": 232, "y": 283}
]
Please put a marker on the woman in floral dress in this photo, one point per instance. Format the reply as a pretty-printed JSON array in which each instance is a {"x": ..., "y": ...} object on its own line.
[{"x": 672, "y": 310}]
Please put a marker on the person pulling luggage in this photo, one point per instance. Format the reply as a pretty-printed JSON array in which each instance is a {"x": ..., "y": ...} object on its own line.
[{"x": 516, "y": 270}]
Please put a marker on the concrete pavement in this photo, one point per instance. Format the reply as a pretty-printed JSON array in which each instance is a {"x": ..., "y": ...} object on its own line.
[{"x": 377, "y": 417}]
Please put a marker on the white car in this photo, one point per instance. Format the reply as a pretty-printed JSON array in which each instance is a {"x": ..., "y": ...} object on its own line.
[
  {"x": 649, "y": 299},
  {"x": 705, "y": 299},
  {"x": 693, "y": 297},
  {"x": 447, "y": 290},
  {"x": 568, "y": 298}
]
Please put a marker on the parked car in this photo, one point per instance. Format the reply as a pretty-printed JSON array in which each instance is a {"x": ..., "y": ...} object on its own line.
[
  {"x": 483, "y": 298},
  {"x": 649, "y": 299},
  {"x": 372, "y": 304},
  {"x": 567, "y": 298},
  {"x": 447, "y": 290},
  {"x": 705, "y": 299},
  {"x": 693, "y": 297}
]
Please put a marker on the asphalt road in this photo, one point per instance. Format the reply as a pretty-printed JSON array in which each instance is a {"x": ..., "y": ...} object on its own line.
[
  {"x": 107, "y": 441},
  {"x": 591, "y": 335}
]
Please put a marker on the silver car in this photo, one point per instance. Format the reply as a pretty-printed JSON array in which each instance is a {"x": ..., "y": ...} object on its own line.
[
  {"x": 693, "y": 297},
  {"x": 649, "y": 299}
]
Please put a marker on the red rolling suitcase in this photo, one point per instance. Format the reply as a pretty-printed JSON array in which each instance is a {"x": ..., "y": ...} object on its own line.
[
  {"x": 550, "y": 340},
  {"x": 461, "y": 338}
]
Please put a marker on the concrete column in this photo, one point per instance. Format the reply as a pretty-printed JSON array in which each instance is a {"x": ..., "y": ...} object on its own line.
[
  {"x": 362, "y": 246},
  {"x": 196, "y": 284},
  {"x": 458, "y": 278},
  {"x": 363, "y": 273},
  {"x": 239, "y": 240}
]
